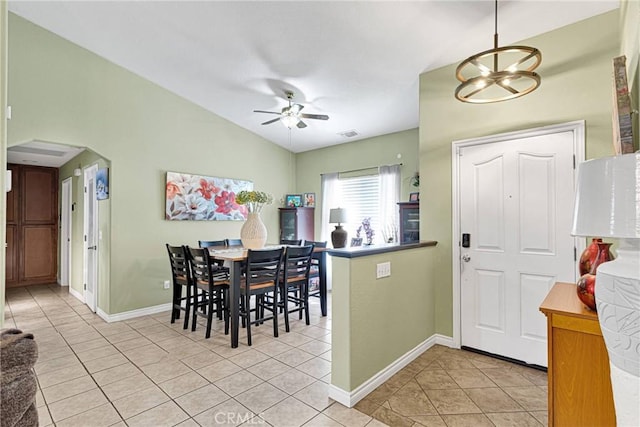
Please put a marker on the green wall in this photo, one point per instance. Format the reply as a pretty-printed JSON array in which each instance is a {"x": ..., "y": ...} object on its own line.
[
  {"x": 576, "y": 84},
  {"x": 380, "y": 319},
  {"x": 65, "y": 94},
  {"x": 364, "y": 153}
]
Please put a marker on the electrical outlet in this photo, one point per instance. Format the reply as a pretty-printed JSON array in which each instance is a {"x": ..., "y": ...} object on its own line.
[
  {"x": 167, "y": 284},
  {"x": 383, "y": 270}
]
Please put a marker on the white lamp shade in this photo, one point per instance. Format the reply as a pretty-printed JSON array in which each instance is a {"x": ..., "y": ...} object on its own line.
[
  {"x": 608, "y": 197},
  {"x": 337, "y": 215}
]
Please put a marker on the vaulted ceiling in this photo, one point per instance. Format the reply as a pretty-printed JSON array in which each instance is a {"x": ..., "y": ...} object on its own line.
[{"x": 356, "y": 61}]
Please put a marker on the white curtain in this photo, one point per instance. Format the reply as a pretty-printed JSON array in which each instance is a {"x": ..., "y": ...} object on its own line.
[
  {"x": 330, "y": 200},
  {"x": 389, "y": 197}
]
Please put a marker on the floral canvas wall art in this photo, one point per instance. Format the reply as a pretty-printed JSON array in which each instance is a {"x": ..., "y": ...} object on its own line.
[{"x": 204, "y": 198}]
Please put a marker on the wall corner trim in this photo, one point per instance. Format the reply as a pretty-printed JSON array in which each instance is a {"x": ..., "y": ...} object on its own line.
[
  {"x": 76, "y": 294},
  {"x": 349, "y": 399}
]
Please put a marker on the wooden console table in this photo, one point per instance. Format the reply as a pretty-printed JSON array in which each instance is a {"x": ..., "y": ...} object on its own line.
[{"x": 578, "y": 364}]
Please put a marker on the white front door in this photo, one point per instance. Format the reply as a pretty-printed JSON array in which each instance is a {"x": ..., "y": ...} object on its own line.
[
  {"x": 65, "y": 233},
  {"x": 90, "y": 237},
  {"x": 515, "y": 206}
]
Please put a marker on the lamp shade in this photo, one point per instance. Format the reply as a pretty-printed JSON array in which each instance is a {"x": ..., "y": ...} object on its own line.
[
  {"x": 337, "y": 215},
  {"x": 608, "y": 197}
]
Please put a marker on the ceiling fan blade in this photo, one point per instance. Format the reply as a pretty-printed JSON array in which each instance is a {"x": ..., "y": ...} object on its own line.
[
  {"x": 315, "y": 116},
  {"x": 271, "y": 121},
  {"x": 263, "y": 111},
  {"x": 301, "y": 124}
]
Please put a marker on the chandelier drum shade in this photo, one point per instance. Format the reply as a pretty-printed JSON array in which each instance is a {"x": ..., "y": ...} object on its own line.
[{"x": 498, "y": 74}]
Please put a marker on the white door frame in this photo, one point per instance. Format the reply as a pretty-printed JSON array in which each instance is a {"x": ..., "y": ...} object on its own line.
[
  {"x": 66, "y": 232},
  {"x": 577, "y": 127},
  {"x": 90, "y": 300}
]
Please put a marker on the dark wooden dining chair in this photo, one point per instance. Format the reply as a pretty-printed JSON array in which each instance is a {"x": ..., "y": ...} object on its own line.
[
  {"x": 216, "y": 265},
  {"x": 210, "y": 243},
  {"x": 261, "y": 279},
  {"x": 294, "y": 282},
  {"x": 181, "y": 283},
  {"x": 210, "y": 290},
  {"x": 291, "y": 242},
  {"x": 314, "y": 272},
  {"x": 233, "y": 242}
]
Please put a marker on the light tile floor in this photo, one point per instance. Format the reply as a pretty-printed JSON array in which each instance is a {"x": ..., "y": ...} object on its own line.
[{"x": 149, "y": 372}]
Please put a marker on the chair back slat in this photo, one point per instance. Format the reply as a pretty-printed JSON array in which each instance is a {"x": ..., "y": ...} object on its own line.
[
  {"x": 316, "y": 244},
  {"x": 291, "y": 242},
  {"x": 210, "y": 243},
  {"x": 233, "y": 242}
]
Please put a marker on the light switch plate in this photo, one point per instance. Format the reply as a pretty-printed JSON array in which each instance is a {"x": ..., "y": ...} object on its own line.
[{"x": 383, "y": 270}]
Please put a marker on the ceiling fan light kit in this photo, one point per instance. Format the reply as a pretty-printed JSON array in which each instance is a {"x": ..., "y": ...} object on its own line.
[
  {"x": 291, "y": 115},
  {"x": 498, "y": 74}
]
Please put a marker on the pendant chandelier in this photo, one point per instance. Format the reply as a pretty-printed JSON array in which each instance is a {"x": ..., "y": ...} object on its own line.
[{"x": 498, "y": 74}]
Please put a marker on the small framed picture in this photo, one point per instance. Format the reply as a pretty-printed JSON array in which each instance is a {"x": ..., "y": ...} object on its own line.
[
  {"x": 310, "y": 200},
  {"x": 414, "y": 197},
  {"x": 102, "y": 184},
  {"x": 293, "y": 200}
]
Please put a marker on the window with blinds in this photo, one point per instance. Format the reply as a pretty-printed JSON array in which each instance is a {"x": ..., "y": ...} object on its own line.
[{"x": 361, "y": 197}]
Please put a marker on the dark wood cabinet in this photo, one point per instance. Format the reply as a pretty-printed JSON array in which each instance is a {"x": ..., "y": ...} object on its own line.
[
  {"x": 32, "y": 226},
  {"x": 296, "y": 223},
  {"x": 409, "y": 222}
]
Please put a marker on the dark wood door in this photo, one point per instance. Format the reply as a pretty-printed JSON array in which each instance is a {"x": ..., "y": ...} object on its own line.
[{"x": 32, "y": 226}]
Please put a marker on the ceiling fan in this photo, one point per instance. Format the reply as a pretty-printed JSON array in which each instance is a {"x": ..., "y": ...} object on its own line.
[{"x": 291, "y": 115}]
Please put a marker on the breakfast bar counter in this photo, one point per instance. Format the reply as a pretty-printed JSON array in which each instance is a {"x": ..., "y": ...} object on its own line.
[{"x": 381, "y": 306}]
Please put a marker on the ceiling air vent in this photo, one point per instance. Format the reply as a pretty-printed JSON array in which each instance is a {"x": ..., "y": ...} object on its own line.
[{"x": 349, "y": 133}]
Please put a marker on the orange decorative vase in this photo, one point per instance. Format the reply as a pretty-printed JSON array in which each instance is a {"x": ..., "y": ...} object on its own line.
[{"x": 586, "y": 285}]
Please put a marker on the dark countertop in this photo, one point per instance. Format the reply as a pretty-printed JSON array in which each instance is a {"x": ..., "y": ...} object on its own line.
[{"x": 359, "y": 251}]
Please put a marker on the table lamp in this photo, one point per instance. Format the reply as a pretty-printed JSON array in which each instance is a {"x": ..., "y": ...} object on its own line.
[
  {"x": 339, "y": 235},
  {"x": 608, "y": 205}
]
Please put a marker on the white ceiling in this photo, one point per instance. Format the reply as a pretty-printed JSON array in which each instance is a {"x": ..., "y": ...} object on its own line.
[
  {"x": 42, "y": 153},
  {"x": 358, "y": 62}
]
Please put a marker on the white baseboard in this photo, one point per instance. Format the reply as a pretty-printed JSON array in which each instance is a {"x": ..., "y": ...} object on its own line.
[
  {"x": 126, "y": 315},
  {"x": 76, "y": 294},
  {"x": 444, "y": 340},
  {"x": 349, "y": 399}
]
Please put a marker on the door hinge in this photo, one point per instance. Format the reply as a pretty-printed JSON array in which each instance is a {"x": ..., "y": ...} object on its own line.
[
  {"x": 85, "y": 286},
  {"x": 85, "y": 237},
  {"x": 574, "y": 161},
  {"x": 575, "y": 253},
  {"x": 85, "y": 189}
]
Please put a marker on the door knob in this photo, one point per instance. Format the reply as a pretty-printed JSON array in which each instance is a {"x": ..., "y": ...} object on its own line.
[{"x": 466, "y": 258}]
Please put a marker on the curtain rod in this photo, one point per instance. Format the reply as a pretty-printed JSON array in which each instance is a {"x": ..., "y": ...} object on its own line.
[{"x": 362, "y": 169}]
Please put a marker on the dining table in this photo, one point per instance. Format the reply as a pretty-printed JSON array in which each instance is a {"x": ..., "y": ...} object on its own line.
[{"x": 236, "y": 256}]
